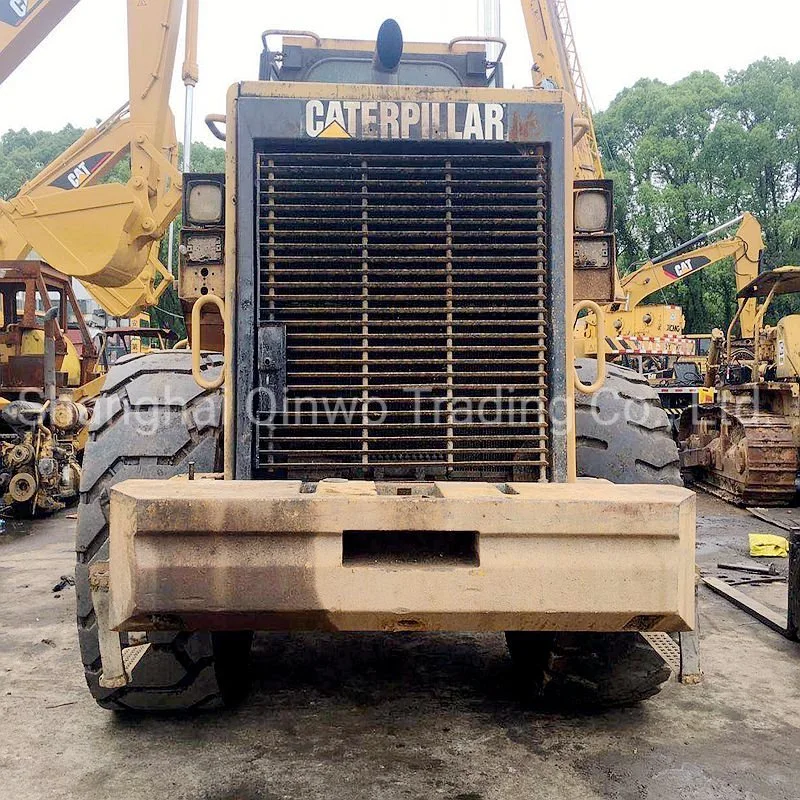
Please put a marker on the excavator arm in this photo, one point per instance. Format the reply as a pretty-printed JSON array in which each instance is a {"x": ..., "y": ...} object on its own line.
[
  {"x": 107, "y": 234},
  {"x": 745, "y": 247}
]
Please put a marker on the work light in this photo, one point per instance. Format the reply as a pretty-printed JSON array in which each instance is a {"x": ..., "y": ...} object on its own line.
[
  {"x": 205, "y": 203},
  {"x": 592, "y": 211}
]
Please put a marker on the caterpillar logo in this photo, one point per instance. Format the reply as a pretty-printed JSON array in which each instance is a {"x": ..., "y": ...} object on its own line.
[
  {"x": 337, "y": 119},
  {"x": 13, "y": 12},
  {"x": 680, "y": 269},
  {"x": 76, "y": 176}
]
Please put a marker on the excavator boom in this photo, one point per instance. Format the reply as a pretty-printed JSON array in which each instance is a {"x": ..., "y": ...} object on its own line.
[
  {"x": 107, "y": 234},
  {"x": 24, "y": 25},
  {"x": 659, "y": 328},
  {"x": 745, "y": 247}
]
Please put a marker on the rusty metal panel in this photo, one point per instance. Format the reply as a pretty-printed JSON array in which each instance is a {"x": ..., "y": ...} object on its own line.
[{"x": 594, "y": 284}]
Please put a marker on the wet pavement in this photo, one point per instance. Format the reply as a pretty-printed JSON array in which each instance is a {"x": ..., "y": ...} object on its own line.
[{"x": 379, "y": 716}]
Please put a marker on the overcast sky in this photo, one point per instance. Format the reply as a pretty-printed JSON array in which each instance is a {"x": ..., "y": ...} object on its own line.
[{"x": 80, "y": 73}]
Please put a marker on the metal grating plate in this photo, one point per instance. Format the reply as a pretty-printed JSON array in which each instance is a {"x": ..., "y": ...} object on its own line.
[
  {"x": 667, "y": 648},
  {"x": 413, "y": 291}
]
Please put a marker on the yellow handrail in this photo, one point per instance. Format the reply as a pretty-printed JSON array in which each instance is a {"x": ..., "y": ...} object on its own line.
[
  {"x": 196, "y": 348},
  {"x": 600, "y": 328}
]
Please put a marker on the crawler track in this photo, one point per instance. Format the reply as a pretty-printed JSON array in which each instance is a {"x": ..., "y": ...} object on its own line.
[{"x": 754, "y": 459}]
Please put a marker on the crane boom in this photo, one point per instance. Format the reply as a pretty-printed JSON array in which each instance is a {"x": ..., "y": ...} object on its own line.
[
  {"x": 107, "y": 234},
  {"x": 24, "y": 25},
  {"x": 557, "y": 66}
]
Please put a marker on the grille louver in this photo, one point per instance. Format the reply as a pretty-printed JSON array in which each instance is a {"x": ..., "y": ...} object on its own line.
[{"x": 411, "y": 287}]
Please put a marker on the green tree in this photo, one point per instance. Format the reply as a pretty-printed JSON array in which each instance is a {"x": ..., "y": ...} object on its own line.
[
  {"x": 207, "y": 159},
  {"x": 689, "y": 156},
  {"x": 24, "y": 154}
]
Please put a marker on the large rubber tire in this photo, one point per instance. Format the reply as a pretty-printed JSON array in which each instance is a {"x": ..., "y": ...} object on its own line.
[
  {"x": 587, "y": 670},
  {"x": 151, "y": 420},
  {"x": 623, "y": 435}
]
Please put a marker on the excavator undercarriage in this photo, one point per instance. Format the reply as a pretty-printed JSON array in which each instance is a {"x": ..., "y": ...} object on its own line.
[{"x": 741, "y": 454}]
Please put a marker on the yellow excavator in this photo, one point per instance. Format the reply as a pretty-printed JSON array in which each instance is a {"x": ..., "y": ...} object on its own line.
[
  {"x": 650, "y": 338},
  {"x": 106, "y": 235},
  {"x": 658, "y": 329}
]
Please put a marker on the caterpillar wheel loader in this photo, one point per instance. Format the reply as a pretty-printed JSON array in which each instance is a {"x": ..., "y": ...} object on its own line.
[
  {"x": 744, "y": 446},
  {"x": 380, "y": 424}
]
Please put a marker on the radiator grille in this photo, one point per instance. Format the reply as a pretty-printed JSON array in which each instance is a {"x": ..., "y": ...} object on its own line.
[{"x": 413, "y": 291}]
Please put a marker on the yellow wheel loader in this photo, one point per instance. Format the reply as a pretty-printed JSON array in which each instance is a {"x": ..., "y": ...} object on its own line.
[{"x": 380, "y": 425}]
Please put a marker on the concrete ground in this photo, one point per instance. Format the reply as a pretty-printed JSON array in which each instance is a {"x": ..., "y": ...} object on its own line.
[{"x": 378, "y": 717}]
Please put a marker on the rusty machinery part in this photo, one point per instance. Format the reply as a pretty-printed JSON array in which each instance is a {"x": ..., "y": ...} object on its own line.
[
  {"x": 23, "y": 487},
  {"x": 745, "y": 457},
  {"x": 22, "y": 415},
  {"x": 40, "y": 360},
  {"x": 39, "y": 307},
  {"x": 19, "y": 455},
  {"x": 70, "y": 479},
  {"x": 40, "y": 471},
  {"x": 48, "y": 469},
  {"x": 68, "y": 417},
  {"x": 203, "y": 669}
]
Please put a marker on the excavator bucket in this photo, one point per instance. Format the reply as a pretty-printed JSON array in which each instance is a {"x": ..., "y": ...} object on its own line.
[
  {"x": 104, "y": 236},
  {"x": 143, "y": 292},
  {"x": 56, "y": 226}
]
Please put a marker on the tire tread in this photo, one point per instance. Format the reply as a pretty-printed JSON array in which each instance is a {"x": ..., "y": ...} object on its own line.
[{"x": 178, "y": 672}]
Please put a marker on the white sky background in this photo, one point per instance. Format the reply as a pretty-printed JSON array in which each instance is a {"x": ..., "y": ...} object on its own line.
[{"x": 79, "y": 74}]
